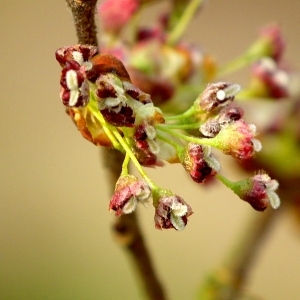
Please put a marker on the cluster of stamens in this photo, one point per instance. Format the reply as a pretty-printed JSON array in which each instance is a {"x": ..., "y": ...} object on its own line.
[{"x": 111, "y": 111}]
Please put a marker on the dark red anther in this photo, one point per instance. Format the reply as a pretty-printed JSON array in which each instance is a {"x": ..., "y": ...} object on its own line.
[
  {"x": 105, "y": 90},
  {"x": 122, "y": 118}
]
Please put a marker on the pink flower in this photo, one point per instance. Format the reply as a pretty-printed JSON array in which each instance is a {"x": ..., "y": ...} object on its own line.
[
  {"x": 238, "y": 140},
  {"x": 115, "y": 14},
  {"x": 171, "y": 211},
  {"x": 128, "y": 193}
]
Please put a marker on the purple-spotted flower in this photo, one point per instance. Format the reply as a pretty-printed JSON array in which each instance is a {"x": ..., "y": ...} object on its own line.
[
  {"x": 128, "y": 193},
  {"x": 171, "y": 211}
]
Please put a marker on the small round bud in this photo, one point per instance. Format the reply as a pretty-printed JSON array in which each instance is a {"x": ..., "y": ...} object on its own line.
[
  {"x": 238, "y": 140},
  {"x": 216, "y": 95},
  {"x": 128, "y": 193},
  {"x": 198, "y": 161},
  {"x": 171, "y": 211},
  {"x": 259, "y": 191}
]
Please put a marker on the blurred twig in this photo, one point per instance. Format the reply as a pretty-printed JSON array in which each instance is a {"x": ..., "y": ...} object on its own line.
[
  {"x": 228, "y": 281},
  {"x": 126, "y": 227}
]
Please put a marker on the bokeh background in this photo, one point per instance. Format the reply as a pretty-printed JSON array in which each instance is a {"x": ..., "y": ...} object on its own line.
[{"x": 55, "y": 228}]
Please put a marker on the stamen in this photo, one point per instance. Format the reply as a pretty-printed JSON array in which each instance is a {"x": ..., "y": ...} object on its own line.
[
  {"x": 78, "y": 57},
  {"x": 71, "y": 80}
]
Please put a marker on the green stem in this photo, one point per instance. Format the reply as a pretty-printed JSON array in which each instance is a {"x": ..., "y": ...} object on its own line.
[
  {"x": 186, "y": 114},
  {"x": 234, "y": 65},
  {"x": 125, "y": 165},
  {"x": 257, "y": 50},
  {"x": 172, "y": 143},
  {"x": 180, "y": 126},
  {"x": 225, "y": 181},
  {"x": 183, "y": 22},
  {"x": 201, "y": 141},
  {"x": 133, "y": 158}
]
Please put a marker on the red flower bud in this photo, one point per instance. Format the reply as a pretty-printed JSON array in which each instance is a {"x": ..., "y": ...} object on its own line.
[
  {"x": 258, "y": 191},
  {"x": 198, "y": 162},
  {"x": 128, "y": 192},
  {"x": 171, "y": 211}
]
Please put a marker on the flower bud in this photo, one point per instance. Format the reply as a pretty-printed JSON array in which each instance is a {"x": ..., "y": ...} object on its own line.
[
  {"x": 171, "y": 211},
  {"x": 227, "y": 114},
  {"x": 79, "y": 53},
  {"x": 238, "y": 140},
  {"x": 258, "y": 191},
  {"x": 128, "y": 193},
  {"x": 146, "y": 147},
  {"x": 115, "y": 14},
  {"x": 216, "y": 95},
  {"x": 75, "y": 61},
  {"x": 269, "y": 80},
  {"x": 198, "y": 161}
]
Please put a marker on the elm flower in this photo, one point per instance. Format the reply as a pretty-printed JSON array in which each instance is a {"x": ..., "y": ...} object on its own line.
[
  {"x": 82, "y": 54},
  {"x": 269, "y": 80},
  {"x": 128, "y": 193},
  {"x": 226, "y": 115},
  {"x": 114, "y": 14},
  {"x": 198, "y": 161},
  {"x": 237, "y": 139},
  {"x": 259, "y": 191},
  {"x": 145, "y": 146},
  {"x": 75, "y": 61},
  {"x": 171, "y": 211},
  {"x": 216, "y": 95}
]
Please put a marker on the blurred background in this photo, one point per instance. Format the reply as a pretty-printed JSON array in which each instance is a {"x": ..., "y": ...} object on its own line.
[{"x": 55, "y": 228}]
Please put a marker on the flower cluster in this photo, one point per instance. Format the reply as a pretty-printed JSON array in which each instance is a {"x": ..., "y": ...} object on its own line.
[{"x": 112, "y": 98}]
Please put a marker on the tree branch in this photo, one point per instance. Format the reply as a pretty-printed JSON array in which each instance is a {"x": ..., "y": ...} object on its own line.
[
  {"x": 83, "y": 12},
  {"x": 126, "y": 227}
]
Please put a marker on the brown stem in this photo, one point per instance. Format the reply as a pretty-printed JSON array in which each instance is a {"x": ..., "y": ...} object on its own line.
[
  {"x": 126, "y": 228},
  {"x": 83, "y": 13},
  {"x": 128, "y": 234},
  {"x": 228, "y": 281}
]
